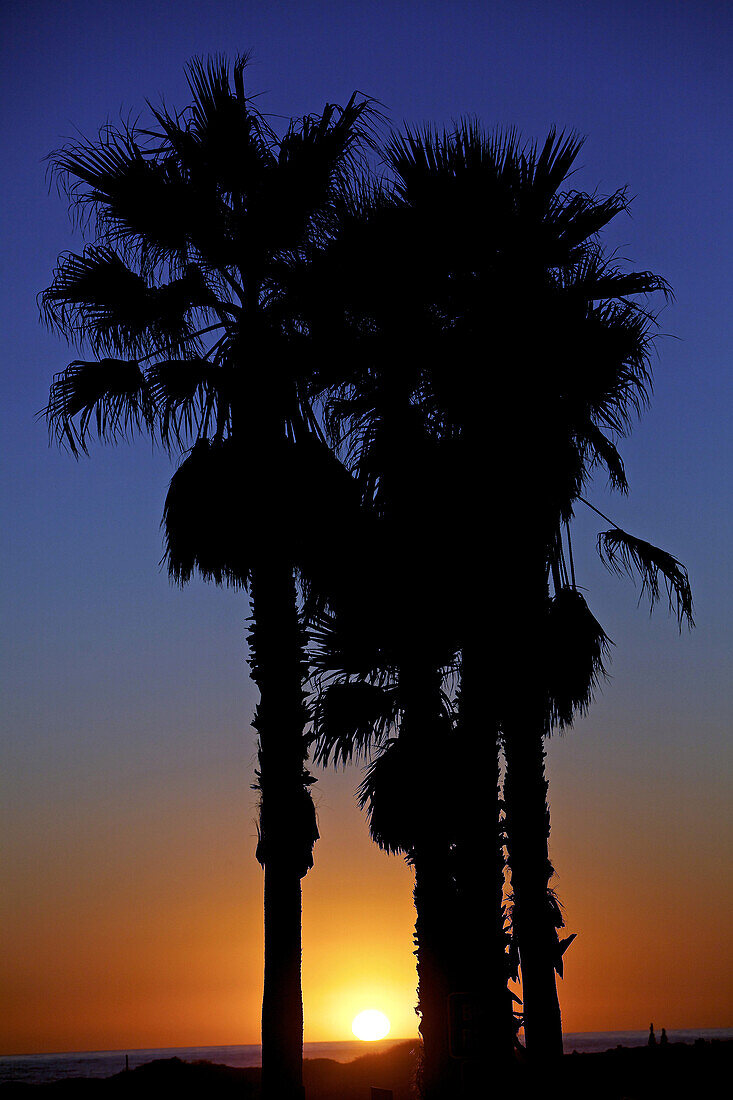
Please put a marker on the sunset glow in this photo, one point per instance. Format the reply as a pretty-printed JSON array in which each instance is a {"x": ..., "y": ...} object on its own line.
[{"x": 132, "y": 908}]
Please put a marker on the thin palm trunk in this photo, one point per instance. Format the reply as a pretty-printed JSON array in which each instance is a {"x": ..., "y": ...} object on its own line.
[
  {"x": 480, "y": 871},
  {"x": 435, "y": 943},
  {"x": 479, "y": 840},
  {"x": 287, "y": 820},
  {"x": 434, "y": 893},
  {"x": 527, "y": 813},
  {"x": 282, "y": 1002},
  {"x": 528, "y": 830},
  {"x": 420, "y": 732}
]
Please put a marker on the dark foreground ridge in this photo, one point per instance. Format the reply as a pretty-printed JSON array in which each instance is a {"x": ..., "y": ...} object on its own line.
[{"x": 676, "y": 1072}]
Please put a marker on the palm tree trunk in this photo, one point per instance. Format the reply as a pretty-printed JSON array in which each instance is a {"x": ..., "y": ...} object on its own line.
[
  {"x": 528, "y": 830},
  {"x": 425, "y": 727},
  {"x": 282, "y": 1002},
  {"x": 435, "y": 933},
  {"x": 480, "y": 864},
  {"x": 479, "y": 840},
  {"x": 287, "y": 819},
  {"x": 524, "y": 724}
]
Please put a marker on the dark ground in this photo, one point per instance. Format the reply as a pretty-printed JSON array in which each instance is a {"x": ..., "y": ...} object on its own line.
[{"x": 703, "y": 1071}]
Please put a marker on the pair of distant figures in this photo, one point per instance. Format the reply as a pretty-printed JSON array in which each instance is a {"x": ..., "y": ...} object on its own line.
[{"x": 652, "y": 1040}]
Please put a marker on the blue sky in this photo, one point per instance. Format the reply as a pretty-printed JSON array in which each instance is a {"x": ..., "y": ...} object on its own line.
[{"x": 116, "y": 682}]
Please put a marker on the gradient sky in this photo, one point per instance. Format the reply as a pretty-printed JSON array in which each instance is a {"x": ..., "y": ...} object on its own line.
[{"x": 131, "y": 904}]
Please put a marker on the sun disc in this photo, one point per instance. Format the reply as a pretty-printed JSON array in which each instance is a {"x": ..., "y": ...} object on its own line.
[{"x": 370, "y": 1025}]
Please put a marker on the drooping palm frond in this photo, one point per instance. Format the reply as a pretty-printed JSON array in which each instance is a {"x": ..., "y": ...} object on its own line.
[
  {"x": 556, "y": 922},
  {"x": 577, "y": 647},
  {"x": 287, "y": 813},
  {"x": 192, "y": 398},
  {"x": 298, "y": 819},
  {"x": 352, "y": 718},
  {"x": 88, "y": 290},
  {"x": 392, "y": 795},
  {"x": 109, "y": 397},
  {"x": 407, "y": 797},
  {"x": 97, "y": 298},
  {"x": 621, "y": 552},
  {"x": 334, "y": 537},
  {"x": 596, "y": 278},
  {"x": 221, "y": 519},
  {"x": 204, "y": 521},
  {"x": 578, "y": 216},
  {"x": 609, "y": 372},
  {"x": 597, "y": 449},
  {"x": 560, "y": 949}
]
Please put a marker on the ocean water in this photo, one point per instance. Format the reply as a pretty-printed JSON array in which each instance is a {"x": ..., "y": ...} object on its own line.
[
  {"x": 36, "y": 1068},
  {"x": 591, "y": 1042}
]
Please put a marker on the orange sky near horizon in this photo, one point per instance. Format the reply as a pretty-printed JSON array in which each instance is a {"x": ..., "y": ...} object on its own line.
[{"x": 136, "y": 919}]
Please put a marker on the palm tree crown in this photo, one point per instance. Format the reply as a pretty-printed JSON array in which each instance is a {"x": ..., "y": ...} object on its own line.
[
  {"x": 201, "y": 225},
  {"x": 188, "y": 297},
  {"x": 481, "y": 306}
]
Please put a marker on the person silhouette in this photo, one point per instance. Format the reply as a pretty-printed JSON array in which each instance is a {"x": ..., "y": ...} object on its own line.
[
  {"x": 652, "y": 1040},
  {"x": 663, "y": 1040}
]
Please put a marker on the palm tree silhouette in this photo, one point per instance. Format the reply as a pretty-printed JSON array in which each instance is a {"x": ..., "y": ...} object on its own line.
[
  {"x": 537, "y": 360},
  {"x": 187, "y": 297},
  {"x": 355, "y": 715},
  {"x": 380, "y": 662}
]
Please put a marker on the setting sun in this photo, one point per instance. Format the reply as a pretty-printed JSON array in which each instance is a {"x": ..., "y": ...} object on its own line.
[{"x": 370, "y": 1025}]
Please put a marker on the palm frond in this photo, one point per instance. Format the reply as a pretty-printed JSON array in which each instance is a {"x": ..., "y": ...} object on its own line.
[
  {"x": 350, "y": 718},
  {"x": 137, "y": 198},
  {"x": 109, "y": 396},
  {"x": 219, "y": 100},
  {"x": 561, "y": 947},
  {"x": 602, "y": 450},
  {"x": 595, "y": 277},
  {"x": 349, "y": 643},
  {"x": 578, "y": 217},
  {"x": 620, "y": 284},
  {"x": 617, "y": 339},
  {"x": 203, "y": 516},
  {"x": 225, "y": 143},
  {"x": 192, "y": 398},
  {"x": 621, "y": 552},
  {"x": 95, "y": 297},
  {"x": 391, "y": 796},
  {"x": 577, "y": 647},
  {"x": 549, "y": 168},
  {"x": 302, "y": 198},
  {"x": 87, "y": 292},
  {"x": 220, "y": 519}
]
